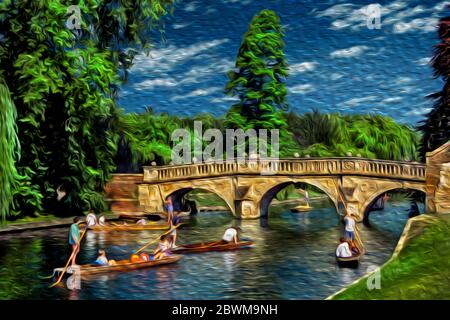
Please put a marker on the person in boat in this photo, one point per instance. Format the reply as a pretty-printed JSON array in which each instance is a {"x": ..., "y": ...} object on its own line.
[
  {"x": 413, "y": 210},
  {"x": 74, "y": 238},
  {"x": 343, "y": 249},
  {"x": 173, "y": 233},
  {"x": 102, "y": 260},
  {"x": 163, "y": 249},
  {"x": 91, "y": 219},
  {"x": 102, "y": 220},
  {"x": 231, "y": 235},
  {"x": 350, "y": 227},
  {"x": 169, "y": 208},
  {"x": 141, "y": 222}
]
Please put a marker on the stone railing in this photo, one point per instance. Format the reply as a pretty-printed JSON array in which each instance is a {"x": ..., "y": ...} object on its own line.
[{"x": 298, "y": 167}]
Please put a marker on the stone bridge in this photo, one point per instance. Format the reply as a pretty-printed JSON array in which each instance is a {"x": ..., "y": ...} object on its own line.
[{"x": 249, "y": 187}]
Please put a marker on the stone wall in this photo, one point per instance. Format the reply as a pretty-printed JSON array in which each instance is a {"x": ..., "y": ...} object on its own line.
[
  {"x": 438, "y": 180},
  {"x": 122, "y": 193}
]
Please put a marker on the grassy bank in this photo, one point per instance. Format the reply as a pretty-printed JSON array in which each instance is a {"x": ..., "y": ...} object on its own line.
[{"x": 420, "y": 271}]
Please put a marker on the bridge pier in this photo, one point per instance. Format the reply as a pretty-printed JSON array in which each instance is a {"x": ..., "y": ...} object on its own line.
[{"x": 246, "y": 209}]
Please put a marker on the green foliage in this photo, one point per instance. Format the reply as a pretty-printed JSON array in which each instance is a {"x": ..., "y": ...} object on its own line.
[
  {"x": 421, "y": 271},
  {"x": 9, "y": 150},
  {"x": 65, "y": 88},
  {"x": 259, "y": 80},
  {"x": 436, "y": 127},
  {"x": 371, "y": 136},
  {"x": 148, "y": 136}
]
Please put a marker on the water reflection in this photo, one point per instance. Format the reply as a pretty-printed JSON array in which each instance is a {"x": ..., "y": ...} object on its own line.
[{"x": 292, "y": 259}]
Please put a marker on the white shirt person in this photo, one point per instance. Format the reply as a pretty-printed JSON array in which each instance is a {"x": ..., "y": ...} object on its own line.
[
  {"x": 231, "y": 235},
  {"x": 343, "y": 250}
]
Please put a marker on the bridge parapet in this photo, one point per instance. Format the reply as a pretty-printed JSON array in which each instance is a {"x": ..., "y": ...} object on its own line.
[{"x": 307, "y": 166}]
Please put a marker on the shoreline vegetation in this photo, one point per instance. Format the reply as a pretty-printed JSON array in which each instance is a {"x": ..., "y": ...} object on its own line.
[{"x": 419, "y": 268}]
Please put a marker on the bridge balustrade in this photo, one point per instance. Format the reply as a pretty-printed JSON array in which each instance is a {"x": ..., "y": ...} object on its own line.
[{"x": 308, "y": 166}]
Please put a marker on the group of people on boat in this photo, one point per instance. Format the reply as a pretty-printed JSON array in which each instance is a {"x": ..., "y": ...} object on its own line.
[
  {"x": 91, "y": 220},
  {"x": 167, "y": 241},
  {"x": 347, "y": 244}
]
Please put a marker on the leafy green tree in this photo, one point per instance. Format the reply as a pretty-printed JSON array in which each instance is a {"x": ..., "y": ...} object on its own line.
[
  {"x": 9, "y": 150},
  {"x": 64, "y": 83},
  {"x": 436, "y": 127},
  {"x": 371, "y": 136},
  {"x": 258, "y": 81}
]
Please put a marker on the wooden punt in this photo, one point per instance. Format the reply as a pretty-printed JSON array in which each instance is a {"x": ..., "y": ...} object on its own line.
[
  {"x": 302, "y": 208},
  {"x": 122, "y": 265},
  {"x": 353, "y": 261},
  {"x": 156, "y": 216},
  {"x": 130, "y": 227},
  {"x": 211, "y": 246}
]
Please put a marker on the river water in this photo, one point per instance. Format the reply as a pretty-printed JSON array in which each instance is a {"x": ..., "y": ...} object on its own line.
[{"x": 293, "y": 258}]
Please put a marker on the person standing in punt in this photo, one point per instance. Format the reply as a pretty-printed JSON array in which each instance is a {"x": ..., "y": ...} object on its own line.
[
  {"x": 74, "y": 238},
  {"x": 169, "y": 208},
  {"x": 174, "y": 223},
  {"x": 349, "y": 227}
]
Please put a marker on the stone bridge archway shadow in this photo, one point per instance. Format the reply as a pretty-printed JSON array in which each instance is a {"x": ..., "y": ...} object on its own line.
[
  {"x": 407, "y": 194},
  {"x": 271, "y": 193},
  {"x": 181, "y": 203}
]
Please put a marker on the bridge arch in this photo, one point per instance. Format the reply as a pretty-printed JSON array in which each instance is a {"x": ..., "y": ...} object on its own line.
[
  {"x": 376, "y": 195},
  {"x": 325, "y": 185},
  {"x": 179, "y": 194},
  {"x": 223, "y": 188}
]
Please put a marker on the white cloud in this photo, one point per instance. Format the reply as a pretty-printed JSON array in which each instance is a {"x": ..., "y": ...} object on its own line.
[
  {"x": 336, "y": 10},
  {"x": 392, "y": 100},
  {"x": 180, "y": 25},
  {"x": 418, "y": 24},
  {"x": 402, "y": 80},
  {"x": 153, "y": 83},
  {"x": 162, "y": 62},
  {"x": 224, "y": 99},
  {"x": 301, "y": 88},
  {"x": 423, "y": 61},
  {"x": 163, "y": 59},
  {"x": 197, "y": 93},
  {"x": 357, "y": 101},
  {"x": 336, "y": 76},
  {"x": 190, "y": 7},
  {"x": 418, "y": 112},
  {"x": 302, "y": 67},
  {"x": 397, "y": 15},
  {"x": 349, "y": 52}
]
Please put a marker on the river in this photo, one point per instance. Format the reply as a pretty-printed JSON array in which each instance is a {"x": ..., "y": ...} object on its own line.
[{"x": 293, "y": 258}]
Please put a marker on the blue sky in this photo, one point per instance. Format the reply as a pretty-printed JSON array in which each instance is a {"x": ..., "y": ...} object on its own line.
[{"x": 336, "y": 63}]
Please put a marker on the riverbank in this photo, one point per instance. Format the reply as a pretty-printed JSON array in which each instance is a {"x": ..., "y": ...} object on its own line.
[
  {"x": 42, "y": 222},
  {"x": 206, "y": 202},
  {"x": 418, "y": 269}
]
